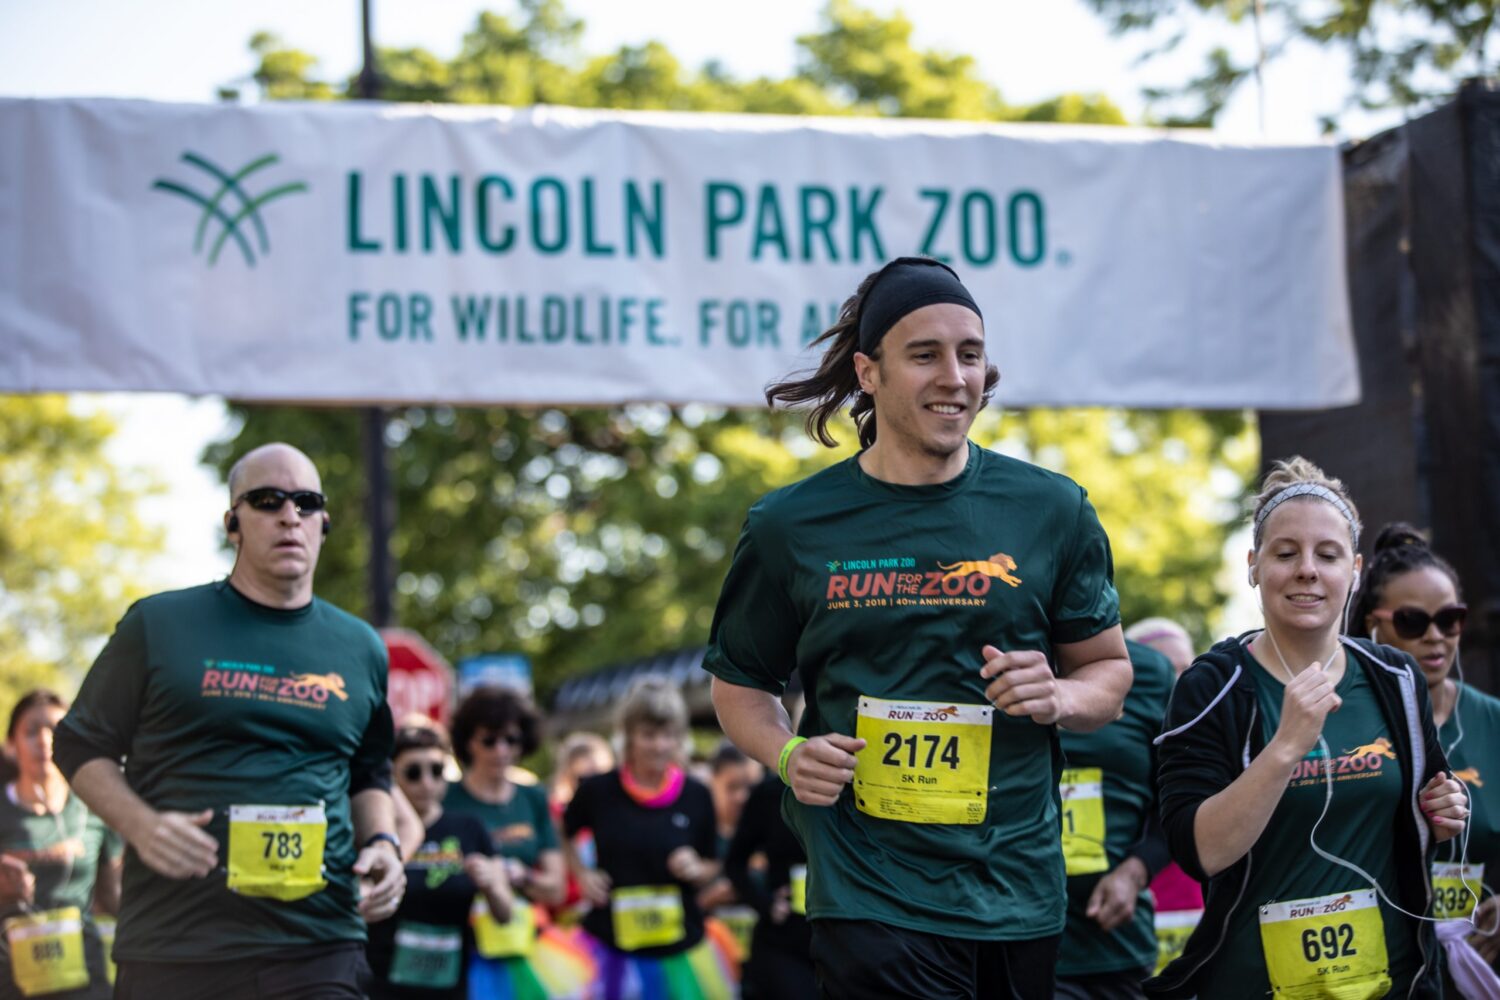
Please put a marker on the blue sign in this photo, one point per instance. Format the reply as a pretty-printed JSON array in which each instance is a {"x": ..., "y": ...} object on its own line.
[{"x": 511, "y": 670}]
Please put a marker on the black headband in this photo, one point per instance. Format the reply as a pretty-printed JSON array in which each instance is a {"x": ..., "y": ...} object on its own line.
[{"x": 903, "y": 286}]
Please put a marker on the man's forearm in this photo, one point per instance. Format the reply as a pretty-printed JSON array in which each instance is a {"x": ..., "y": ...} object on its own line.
[
  {"x": 754, "y": 720},
  {"x": 101, "y": 785},
  {"x": 1094, "y": 693},
  {"x": 373, "y": 813}
]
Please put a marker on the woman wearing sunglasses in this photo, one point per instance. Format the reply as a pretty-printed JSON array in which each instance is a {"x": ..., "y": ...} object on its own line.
[
  {"x": 493, "y": 729},
  {"x": 424, "y": 950},
  {"x": 1411, "y": 600}
]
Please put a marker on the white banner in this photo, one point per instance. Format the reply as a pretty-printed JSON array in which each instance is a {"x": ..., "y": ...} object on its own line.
[{"x": 353, "y": 252}]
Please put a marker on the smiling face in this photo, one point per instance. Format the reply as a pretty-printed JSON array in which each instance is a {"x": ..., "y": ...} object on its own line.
[
  {"x": 650, "y": 748},
  {"x": 928, "y": 382},
  {"x": 1426, "y": 589},
  {"x": 1304, "y": 566}
]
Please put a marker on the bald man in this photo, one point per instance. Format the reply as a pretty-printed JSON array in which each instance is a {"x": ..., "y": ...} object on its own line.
[{"x": 250, "y": 718}]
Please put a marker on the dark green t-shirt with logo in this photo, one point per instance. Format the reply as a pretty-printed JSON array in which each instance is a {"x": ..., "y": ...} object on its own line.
[
  {"x": 1471, "y": 738},
  {"x": 213, "y": 700},
  {"x": 1121, "y": 751},
  {"x": 1368, "y": 792},
  {"x": 878, "y": 592},
  {"x": 521, "y": 828},
  {"x": 63, "y": 850}
]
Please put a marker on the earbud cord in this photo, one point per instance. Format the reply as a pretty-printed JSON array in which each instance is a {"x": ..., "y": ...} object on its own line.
[{"x": 1328, "y": 801}]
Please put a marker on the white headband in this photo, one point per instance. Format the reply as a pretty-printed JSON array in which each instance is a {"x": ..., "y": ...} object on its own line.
[{"x": 1307, "y": 490}]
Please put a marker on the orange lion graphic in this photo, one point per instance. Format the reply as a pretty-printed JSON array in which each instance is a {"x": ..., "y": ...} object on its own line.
[
  {"x": 1469, "y": 776},
  {"x": 332, "y": 683},
  {"x": 1381, "y": 748},
  {"x": 998, "y": 565}
]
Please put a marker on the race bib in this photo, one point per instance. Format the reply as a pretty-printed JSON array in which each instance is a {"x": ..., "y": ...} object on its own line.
[
  {"x": 799, "y": 889},
  {"x": 1327, "y": 947},
  {"x": 1172, "y": 932},
  {"x": 46, "y": 951},
  {"x": 514, "y": 938},
  {"x": 277, "y": 851},
  {"x": 106, "y": 928},
  {"x": 427, "y": 956},
  {"x": 923, "y": 761},
  {"x": 1455, "y": 896},
  {"x": 740, "y": 920},
  {"x": 1082, "y": 792},
  {"x": 647, "y": 916}
]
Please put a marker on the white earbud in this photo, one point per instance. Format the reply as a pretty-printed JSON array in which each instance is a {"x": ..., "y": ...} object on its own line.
[{"x": 1250, "y": 575}]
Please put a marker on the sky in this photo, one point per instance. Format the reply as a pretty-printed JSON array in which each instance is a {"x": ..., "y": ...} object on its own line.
[{"x": 185, "y": 50}]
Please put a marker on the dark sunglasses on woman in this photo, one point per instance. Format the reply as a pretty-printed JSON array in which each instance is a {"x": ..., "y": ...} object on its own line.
[
  {"x": 1412, "y": 623},
  {"x": 413, "y": 772}
]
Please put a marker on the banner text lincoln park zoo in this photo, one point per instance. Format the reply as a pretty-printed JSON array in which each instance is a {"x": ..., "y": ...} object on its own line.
[{"x": 436, "y": 215}]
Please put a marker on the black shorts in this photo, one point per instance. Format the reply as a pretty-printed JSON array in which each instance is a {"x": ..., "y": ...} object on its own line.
[
  {"x": 865, "y": 960},
  {"x": 1103, "y": 986},
  {"x": 317, "y": 972}
]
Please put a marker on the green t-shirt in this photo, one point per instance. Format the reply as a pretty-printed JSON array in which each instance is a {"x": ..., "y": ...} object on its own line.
[
  {"x": 1471, "y": 758},
  {"x": 876, "y": 590},
  {"x": 1368, "y": 792},
  {"x": 213, "y": 700},
  {"x": 63, "y": 851},
  {"x": 1121, "y": 751},
  {"x": 521, "y": 828}
]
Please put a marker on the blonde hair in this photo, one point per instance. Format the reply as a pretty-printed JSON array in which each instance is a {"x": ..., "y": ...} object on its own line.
[
  {"x": 1298, "y": 471},
  {"x": 653, "y": 701}
]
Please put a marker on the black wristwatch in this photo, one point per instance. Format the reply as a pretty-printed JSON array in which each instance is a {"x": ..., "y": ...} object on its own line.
[{"x": 389, "y": 838}]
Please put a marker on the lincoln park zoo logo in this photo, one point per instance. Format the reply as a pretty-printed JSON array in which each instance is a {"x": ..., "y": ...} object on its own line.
[
  {"x": 228, "y": 206},
  {"x": 899, "y": 582}
]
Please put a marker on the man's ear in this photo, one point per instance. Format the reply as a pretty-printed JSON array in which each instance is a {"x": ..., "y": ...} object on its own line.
[{"x": 867, "y": 371}]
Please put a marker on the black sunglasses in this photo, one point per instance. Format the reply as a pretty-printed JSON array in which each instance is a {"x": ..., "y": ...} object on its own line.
[
  {"x": 488, "y": 740},
  {"x": 270, "y": 499},
  {"x": 1412, "y": 623},
  {"x": 413, "y": 772}
]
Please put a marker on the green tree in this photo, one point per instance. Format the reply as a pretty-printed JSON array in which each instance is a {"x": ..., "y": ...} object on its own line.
[
  {"x": 73, "y": 548},
  {"x": 588, "y": 536},
  {"x": 1402, "y": 53}
]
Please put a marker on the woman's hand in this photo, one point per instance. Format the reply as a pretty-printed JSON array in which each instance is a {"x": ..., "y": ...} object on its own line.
[
  {"x": 1308, "y": 699},
  {"x": 1445, "y": 803}
]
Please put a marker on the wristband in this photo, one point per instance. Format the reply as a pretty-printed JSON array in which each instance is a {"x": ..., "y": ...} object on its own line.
[
  {"x": 786, "y": 755},
  {"x": 389, "y": 838}
]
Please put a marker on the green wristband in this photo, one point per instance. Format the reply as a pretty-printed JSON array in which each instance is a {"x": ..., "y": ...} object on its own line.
[{"x": 786, "y": 755}]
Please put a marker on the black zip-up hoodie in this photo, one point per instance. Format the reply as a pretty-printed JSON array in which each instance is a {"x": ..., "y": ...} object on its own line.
[{"x": 1211, "y": 734}]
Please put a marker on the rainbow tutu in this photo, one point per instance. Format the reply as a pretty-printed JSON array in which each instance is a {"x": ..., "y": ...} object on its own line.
[
  {"x": 560, "y": 967},
  {"x": 707, "y": 971}
]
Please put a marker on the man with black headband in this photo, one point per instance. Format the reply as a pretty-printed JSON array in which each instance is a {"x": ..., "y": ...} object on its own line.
[
  {"x": 947, "y": 608},
  {"x": 255, "y": 794}
]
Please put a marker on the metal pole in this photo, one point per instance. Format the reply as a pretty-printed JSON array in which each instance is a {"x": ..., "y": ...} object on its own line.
[{"x": 381, "y": 505}]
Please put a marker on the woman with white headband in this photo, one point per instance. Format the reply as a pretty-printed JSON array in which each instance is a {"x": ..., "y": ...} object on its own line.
[{"x": 1301, "y": 779}]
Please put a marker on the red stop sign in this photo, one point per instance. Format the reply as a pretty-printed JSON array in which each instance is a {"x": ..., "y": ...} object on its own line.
[{"x": 420, "y": 679}]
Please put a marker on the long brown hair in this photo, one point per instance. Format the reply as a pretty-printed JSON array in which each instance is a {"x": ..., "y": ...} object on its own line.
[{"x": 835, "y": 382}]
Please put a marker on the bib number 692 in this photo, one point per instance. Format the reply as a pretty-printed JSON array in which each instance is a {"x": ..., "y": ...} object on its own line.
[{"x": 1328, "y": 942}]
